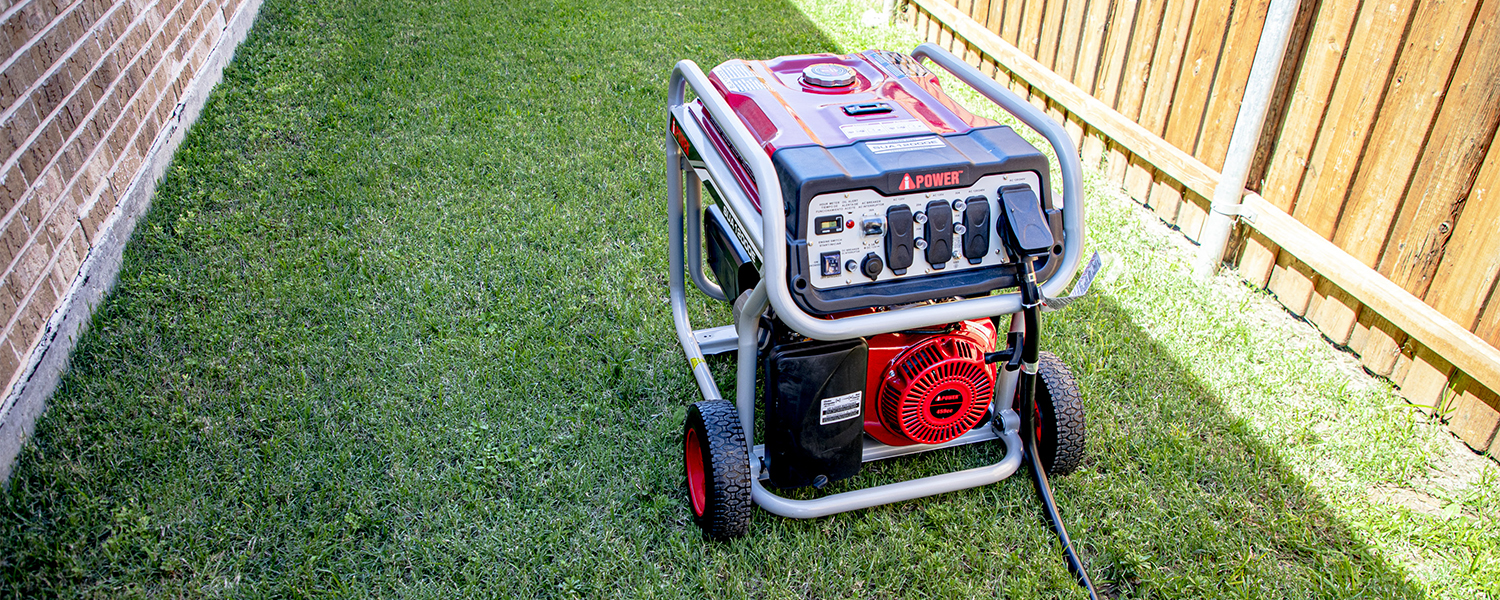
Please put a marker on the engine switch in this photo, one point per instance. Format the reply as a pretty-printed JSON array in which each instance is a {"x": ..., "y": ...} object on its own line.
[
  {"x": 939, "y": 233},
  {"x": 976, "y": 233},
  {"x": 831, "y": 265},
  {"x": 898, "y": 238},
  {"x": 871, "y": 266}
]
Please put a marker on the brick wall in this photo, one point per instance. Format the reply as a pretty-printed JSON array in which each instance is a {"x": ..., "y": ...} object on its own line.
[{"x": 86, "y": 88}]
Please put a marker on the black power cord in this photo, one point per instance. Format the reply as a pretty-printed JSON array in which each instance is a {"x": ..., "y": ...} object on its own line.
[{"x": 1031, "y": 300}]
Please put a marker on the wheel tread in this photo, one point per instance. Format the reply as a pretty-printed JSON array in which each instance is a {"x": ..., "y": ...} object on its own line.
[
  {"x": 726, "y": 513},
  {"x": 1069, "y": 435}
]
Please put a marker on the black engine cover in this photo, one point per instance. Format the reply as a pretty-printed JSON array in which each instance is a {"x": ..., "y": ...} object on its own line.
[{"x": 814, "y": 411}]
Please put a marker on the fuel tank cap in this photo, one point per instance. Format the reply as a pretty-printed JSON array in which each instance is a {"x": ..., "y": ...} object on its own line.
[{"x": 829, "y": 75}]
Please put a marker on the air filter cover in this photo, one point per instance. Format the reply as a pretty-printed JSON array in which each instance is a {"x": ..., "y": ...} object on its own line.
[{"x": 935, "y": 390}]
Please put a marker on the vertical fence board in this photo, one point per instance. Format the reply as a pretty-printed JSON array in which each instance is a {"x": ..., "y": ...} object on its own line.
[
  {"x": 1138, "y": 65},
  {"x": 1441, "y": 196},
  {"x": 996, "y": 16},
  {"x": 1196, "y": 78},
  {"x": 1072, "y": 34},
  {"x": 1472, "y": 261},
  {"x": 1010, "y": 27},
  {"x": 1116, "y": 48},
  {"x": 1356, "y": 97},
  {"x": 1474, "y": 413},
  {"x": 1489, "y": 323},
  {"x": 1092, "y": 45},
  {"x": 1233, "y": 72},
  {"x": 1031, "y": 26},
  {"x": 1299, "y": 130},
  {"x": 1165, "y": 200},
  {"x": 1166, "y": 62},
  {"x": 1052, "y": 24},
  {"x": 980, "y": 12},
  {"x": 1401, "y": 127},
  {"x": 1382, "y": 347},
  {"x": 1426, "y": 381}
]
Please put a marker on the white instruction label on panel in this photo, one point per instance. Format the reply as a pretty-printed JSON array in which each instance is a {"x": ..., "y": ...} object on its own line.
[
  {"x": 855, "y": 130},
  {"x": 841, "y": 408},
  {"x": 905, "y": 145}
]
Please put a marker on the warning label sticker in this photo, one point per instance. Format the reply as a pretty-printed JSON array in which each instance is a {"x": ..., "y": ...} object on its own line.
[
  {"x": 841, "y": 408},
  {"x": 858, "y": 130},
  {"x": 738, "y": 77},
  {"x": 905, "y": 145}
]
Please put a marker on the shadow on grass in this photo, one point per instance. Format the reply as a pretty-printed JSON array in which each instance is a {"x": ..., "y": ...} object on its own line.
[{"x": 395, "y": 326}]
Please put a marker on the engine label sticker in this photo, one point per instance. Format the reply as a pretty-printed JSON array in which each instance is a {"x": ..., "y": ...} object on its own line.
[
  {"x": 739, "y": 78},
  {"x": 841, "y": 408},
  {"x": 859, "y": 130},
  {"x": 905, "y": 145}
]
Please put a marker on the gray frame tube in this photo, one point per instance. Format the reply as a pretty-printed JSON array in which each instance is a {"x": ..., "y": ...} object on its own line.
[
  {"x": 693, "y": 193},
  {"x": 676, "y": 286}
]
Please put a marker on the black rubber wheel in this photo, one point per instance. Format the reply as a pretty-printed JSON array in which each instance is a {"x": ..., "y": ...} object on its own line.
[
  {"x": 1060, "y": 435},
  {"x": 718, "y": 469}
]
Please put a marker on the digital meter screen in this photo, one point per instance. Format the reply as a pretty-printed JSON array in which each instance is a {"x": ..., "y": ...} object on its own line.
[{"x": 829, "y": 224}]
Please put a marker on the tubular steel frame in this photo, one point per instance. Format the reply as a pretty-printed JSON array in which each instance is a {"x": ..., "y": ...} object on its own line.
[{"x": 684, "y": 199}]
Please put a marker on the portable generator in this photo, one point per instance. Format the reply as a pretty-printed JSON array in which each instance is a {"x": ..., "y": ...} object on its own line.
[{"x": 865, "y": 228}]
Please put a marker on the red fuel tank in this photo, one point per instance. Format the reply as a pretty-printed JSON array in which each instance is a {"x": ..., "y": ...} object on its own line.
[{"x": 832, "y": 100}]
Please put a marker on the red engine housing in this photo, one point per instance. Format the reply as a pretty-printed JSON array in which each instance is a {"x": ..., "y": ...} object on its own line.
[{"x": 928, "y": 388}]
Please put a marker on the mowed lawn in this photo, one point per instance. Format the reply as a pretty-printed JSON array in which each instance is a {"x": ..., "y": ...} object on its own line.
[{"x": 396, "y": 326}]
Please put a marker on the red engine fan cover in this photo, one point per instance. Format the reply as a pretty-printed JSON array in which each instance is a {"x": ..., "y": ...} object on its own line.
[{"x": 932, "y": 388}]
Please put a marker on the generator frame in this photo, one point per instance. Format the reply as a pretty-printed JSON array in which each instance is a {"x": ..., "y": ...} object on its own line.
[{"x": 684, "y": 214}]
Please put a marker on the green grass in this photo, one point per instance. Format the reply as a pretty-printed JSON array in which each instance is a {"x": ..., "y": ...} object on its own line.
[{"x": 396, "y": 326}]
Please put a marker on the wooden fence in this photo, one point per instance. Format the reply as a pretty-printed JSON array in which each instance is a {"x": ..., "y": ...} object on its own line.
[{"x": 1378, "y": 140}]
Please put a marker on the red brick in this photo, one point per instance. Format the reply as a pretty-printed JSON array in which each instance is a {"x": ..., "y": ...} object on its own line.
[
  {"x": 30, "y": 212},
  {"x": 13, "y": 238},
  {"x": 12, "y": 187},
  {"x": 67, "y": 258},
  {"x": 29, "y": 269},
  {"x": 17, "y": 78},
  {"x": 80, "y": 244},
  {"x": 48, "y": 190},
  {"x": 70, "y": 159},
  {"x": 17, "y": 129},
  {"x": 10, "y": 365},
  {"x": 7, "y": 313}
]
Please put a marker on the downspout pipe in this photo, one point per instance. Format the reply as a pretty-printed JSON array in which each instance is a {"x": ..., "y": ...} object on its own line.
[{"x": 1242, "y": 143}]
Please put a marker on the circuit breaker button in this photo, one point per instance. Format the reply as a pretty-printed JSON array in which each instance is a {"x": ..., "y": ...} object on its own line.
[
  {"x": 939, "y": 232},
  {"x": 898, "y": 238},
  {"x": 976, "y": 234}
]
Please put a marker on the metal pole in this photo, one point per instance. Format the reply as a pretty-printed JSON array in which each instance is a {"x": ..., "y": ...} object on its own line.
[{"x": 1263, "y": 74}]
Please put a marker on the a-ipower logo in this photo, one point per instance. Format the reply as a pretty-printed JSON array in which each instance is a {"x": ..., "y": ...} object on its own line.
[
  {"x": 946, "y": 404},
  {"x": 929, "y": 180}
]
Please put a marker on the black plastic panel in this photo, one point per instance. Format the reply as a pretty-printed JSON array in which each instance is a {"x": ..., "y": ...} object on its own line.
[
  {"x": 939, "y": 233},
  {"x": 976, "y": 228},
  {"x": 1024, "y": 226},
  {"x": 814, "y": 411},
  {"x": 727, "y": 259},
  {"x": 898, "y": 238},
  {"x": 808, "y": 171}
]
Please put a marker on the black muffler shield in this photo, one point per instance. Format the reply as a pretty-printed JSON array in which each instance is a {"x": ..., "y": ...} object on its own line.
[{"x": 815, "y": 411}]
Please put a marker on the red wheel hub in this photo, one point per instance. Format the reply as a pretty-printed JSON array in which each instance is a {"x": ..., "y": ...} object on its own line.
[{"x": 693, "y": 458}]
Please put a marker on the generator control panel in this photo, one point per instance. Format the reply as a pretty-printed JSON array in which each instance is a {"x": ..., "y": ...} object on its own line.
[{"x": 861, "y": 236}]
